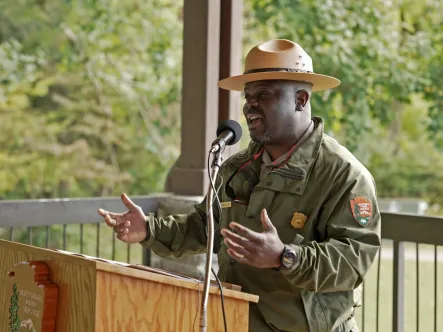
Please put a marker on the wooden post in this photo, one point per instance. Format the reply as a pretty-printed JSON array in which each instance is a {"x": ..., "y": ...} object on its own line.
[
  {"x": 212, "y": 48},
  {"x": 201, "y": 45},
  {"x": 231, "y": 21}
]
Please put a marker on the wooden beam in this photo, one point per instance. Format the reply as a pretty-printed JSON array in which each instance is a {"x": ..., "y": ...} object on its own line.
[
  {"x": 231, "y": 38},
  {"x": 201, "y": 45},
  {"x": 47, "y": 212},
  {"x": 403, "y": 227},
  {"x": 231, "y": 31}
]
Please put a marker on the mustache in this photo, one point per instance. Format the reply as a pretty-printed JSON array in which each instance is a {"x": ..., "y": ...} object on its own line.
[{"x": 254, "y": 111}]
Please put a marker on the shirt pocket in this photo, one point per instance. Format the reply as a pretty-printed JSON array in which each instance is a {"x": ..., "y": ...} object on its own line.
[
  {"x": 234, "y": 211},
  {"x": 293, "y": 217}
]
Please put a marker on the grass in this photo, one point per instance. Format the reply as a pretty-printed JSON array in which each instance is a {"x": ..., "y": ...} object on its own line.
[{"x": 426, "y": 294}]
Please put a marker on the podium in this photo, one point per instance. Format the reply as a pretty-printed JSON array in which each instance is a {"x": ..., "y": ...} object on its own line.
[{"x": 99, "y": 295}]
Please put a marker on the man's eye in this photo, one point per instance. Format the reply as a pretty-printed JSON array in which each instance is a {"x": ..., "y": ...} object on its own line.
[{"x": 263, "y": 94}]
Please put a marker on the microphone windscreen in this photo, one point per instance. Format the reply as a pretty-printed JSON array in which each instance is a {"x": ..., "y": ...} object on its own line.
[{"x": 234, "y": 127}]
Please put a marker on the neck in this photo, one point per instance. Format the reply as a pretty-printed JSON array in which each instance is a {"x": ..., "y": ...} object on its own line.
[{"x": 276, "y": 150}]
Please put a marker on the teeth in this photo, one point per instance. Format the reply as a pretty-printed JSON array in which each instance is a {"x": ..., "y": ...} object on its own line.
[{"x": 252, "y": 118}]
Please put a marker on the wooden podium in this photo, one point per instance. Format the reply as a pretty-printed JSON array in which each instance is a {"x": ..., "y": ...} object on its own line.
[{"x": 98, "y": 295}]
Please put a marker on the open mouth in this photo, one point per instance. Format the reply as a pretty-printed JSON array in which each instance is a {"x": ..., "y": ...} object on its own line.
[{"x": 254, "y": 119}]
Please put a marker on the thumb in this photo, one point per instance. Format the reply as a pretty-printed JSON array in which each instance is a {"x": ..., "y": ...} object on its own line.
[
  {"x": 267, "y": 224},
  {"x": 128, "y": 203}
]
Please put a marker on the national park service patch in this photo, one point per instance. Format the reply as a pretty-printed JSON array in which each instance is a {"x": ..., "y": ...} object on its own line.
[{"x": 361, "y": 208}]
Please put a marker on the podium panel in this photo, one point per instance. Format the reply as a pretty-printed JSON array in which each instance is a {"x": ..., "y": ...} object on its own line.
[{"x": 99, "y": 295}]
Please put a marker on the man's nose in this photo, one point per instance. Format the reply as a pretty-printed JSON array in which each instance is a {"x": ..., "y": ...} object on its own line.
[{"x": 250, "y": 104}]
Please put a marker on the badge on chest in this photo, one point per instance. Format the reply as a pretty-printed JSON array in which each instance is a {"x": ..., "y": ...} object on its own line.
[{"x": 298, "y": 220}]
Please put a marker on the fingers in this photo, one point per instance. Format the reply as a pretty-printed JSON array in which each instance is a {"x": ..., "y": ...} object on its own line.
[
  {"x": 245, "y": 232},
  {"x": 237, "y": 248},
  {"x": 123, "y": 227},
  {"x": 103, "y": 213},
  {"x": 111, "y": 222},
  {"x": 237, "y": 240},
  {"x": 111, "y": 218},
  {"x": 122, "y": 231},
  {"x": 238, "y": 257},
  {"x": 267, "y": 224},
  {"x": 123, "y": 236},
  {"x": 128, "y": 203}
]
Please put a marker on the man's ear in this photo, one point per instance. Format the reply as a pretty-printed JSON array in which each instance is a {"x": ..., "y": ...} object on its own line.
[{"x": 302, "y": 97}]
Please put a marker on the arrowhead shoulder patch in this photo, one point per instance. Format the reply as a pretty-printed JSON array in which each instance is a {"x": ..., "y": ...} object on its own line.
[{"x": 361, "y": 209}]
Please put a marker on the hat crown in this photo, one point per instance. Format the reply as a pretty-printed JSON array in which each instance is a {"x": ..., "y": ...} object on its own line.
[
  {"x": 279, "y": 59},
  {"x": 278, "y": 54}
]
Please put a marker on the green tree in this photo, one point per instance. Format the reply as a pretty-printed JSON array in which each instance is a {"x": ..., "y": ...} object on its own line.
[
  {"x": 89, "y": 102},
  {"x": 14, "y": 320},
  {"x": 388, "y": 56},
  {"x": 89, "y": 97}
]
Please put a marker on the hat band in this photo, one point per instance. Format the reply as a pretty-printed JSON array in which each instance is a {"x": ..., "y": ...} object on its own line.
[{"x": 267, "y": 70}]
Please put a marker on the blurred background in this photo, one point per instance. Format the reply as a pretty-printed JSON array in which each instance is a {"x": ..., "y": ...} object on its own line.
[
  {"x": 90, "y": 90},
  {"x": 90, "y": 95}
]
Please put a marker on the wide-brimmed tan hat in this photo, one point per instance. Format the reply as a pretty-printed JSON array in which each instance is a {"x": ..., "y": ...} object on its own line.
[{"x": 279, "y": 59}]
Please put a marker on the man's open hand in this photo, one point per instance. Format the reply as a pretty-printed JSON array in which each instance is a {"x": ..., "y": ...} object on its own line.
[
  {"x": 129, "y": 226},
  {"x": 262, "y": 250}
]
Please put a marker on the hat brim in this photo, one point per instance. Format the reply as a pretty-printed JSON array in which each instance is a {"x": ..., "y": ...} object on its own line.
[{"x": 319, "y": 82}]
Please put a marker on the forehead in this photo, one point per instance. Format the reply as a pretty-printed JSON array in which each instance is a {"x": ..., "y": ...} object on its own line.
[{"x": 268, "y": 84}]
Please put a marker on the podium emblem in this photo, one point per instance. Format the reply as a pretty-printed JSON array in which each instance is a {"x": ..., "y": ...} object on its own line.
[{"x": 32, "y": 298}]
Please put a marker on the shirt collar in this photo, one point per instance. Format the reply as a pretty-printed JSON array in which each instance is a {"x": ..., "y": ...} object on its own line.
[
  {"x": 266, "y": 158},
  {"x": 298, "y": 166}
]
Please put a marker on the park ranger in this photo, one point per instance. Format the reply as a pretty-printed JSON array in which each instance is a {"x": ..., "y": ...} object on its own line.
[{"x": 300, "y": 224}]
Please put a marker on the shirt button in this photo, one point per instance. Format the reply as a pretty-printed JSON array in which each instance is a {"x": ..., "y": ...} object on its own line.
[
  {"x": 297, "y": 189},
  {"x": 269, "y": 183},
  {"x": 232, "y": 261}
]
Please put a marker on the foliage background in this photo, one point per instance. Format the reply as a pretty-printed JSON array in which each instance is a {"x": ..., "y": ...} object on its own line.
[
  {"x": 389, "y": 57},
  {"x": 89, "y": 94},
  {"x": 90, "y": 90},
  {"x": 90, "y": 103}
]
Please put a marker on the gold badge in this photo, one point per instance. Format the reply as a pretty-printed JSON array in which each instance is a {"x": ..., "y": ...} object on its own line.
[
  {"x": 298, "y": 220},
  {"x": 225, "y": 205}
]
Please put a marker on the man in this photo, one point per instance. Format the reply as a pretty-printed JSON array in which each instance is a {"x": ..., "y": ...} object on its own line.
[{"x": 300, "y": 221}]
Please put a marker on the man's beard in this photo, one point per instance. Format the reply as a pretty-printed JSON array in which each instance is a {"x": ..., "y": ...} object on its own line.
[{"x": 262, "y": 139}]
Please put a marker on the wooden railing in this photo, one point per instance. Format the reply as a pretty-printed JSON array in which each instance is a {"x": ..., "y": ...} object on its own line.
[
  {"x": 51, "y": 223},
  {"x": 402, "y": 292}
]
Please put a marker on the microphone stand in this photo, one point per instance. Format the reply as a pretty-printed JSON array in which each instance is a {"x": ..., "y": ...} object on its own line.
[{"x": 216, "y": 163}]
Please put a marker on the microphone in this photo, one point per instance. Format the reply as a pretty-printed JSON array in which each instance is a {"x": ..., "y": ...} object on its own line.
[{"x": 228, "y": 133}]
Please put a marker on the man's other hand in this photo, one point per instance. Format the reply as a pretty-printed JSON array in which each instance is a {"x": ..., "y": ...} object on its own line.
[
  {"x": 262, "y": 250},
  {"x": 130, "y": 226}
]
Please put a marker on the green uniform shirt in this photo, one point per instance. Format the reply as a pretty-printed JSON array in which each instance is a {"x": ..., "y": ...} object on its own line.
[
  {"x": 322, "y": 201},
  {"x": 267, "y": 163}
]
